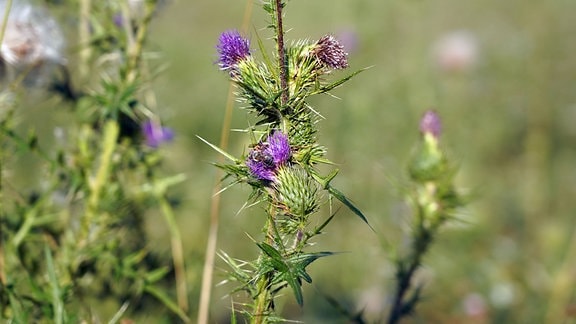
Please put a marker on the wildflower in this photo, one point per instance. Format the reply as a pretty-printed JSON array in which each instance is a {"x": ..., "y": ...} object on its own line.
[
  {"x": 266, "y": 157},
  {"x": 431, "y": 124},
  {"x": 233, "y": 48},
  {"x": 330, "y": 53},
  {"x": 155, "y": 135}
]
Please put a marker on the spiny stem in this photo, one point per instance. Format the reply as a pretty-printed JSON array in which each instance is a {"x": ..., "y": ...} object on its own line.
[
  {"x": 404, "y": 276},
  {"x": 281, "y": 54},
  {"x": 263, "y": 300}
]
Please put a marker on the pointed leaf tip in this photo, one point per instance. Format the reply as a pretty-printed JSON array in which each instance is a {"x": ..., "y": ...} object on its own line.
[{"x": 340, "y": 196}]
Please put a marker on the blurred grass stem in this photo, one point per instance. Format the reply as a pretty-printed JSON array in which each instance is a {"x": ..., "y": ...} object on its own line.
[
  {"x": 208, "y": 270},
  {"x": 84, "y": 38},
  {"x": 177, "y": 252}
]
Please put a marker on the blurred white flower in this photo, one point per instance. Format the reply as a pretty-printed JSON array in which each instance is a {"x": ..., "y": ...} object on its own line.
[
  {"x": 456, "y": 51},
  {"x": 502, "y": 294},
  {"x": 33, "y": 42}
]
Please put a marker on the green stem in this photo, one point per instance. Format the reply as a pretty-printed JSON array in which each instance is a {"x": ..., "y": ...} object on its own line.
[
  {"x": 29, "y": 220},
  {"x": 110, "y": 136},
  {"x": 136, "y": 46}
]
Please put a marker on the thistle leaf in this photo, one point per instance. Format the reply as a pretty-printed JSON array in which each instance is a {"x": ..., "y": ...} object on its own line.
[
  {"x": 338, "y": 83},
  {"x": 340, "y": 196}
]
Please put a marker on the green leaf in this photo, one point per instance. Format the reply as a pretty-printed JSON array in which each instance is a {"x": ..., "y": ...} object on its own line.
[
  {"x": 296, "y": 288},
  {"x": 157, "y": 274},
  {"x": 275, "y": 257},
  {"x": 340, "y": 196},
  {"x": 338, "y": 83},
  {"x": 164, "y": 299}
]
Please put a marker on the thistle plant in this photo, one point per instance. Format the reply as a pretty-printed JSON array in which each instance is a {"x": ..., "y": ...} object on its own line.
[
  {"x": 435, "y": 201},
  {"x": 281, "y": 163}
]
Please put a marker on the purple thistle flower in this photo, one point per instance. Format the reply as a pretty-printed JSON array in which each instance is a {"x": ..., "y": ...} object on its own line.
[
  {"x": 331, "y": 53},
  {"x": 232, "y": 48},
  {"x": 266, "y": 157},
  {"x": 155, "y": 135},
  {"x": 431, "y": 124}
]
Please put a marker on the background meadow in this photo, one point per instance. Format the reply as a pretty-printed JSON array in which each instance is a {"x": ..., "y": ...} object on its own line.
[{"x": 508, "y": 122}]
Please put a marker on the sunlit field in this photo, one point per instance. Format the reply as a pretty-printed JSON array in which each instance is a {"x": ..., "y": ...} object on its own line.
[{"x": 500, "y": 74}]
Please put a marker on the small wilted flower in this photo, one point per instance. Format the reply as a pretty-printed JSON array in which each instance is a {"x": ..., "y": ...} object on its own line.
[
  {"x": 266, "y": 157},
  {"x": 331, "y": 53},
  {"x": 431, "y": 124},
  {"x": 232, "y": 48},
  {"x": 32, "y": 36},
  {"x": 155, "y": 134}
]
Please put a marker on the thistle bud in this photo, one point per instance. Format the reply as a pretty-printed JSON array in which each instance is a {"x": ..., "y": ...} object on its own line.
[
  {"x": 429, "y": 162},
  {"x": 232, "y": 49},
  {"x": 431, "y": 124},
  {"x": 295, "y": 191}
]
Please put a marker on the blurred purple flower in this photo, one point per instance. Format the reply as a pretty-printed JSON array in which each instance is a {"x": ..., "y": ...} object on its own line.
[
  {"x": 232, "y": 48},
  {"x": 118, "y": 20},
  {"x": 431, "y": 124},
  {"x": 266, "y": 157},
  {"x": 155, "y": 135},
  {"x": 331, "y": 53},
  {"x": 349, "y": 39}
]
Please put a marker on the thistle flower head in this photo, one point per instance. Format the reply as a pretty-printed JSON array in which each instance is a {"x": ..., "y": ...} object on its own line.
[
  {"x": 266, "y": 157},
  {"x": 232, "y": 48},
  {"x": 155, "y": 135},
  {"x": 331, "y": 53},
  {"x": 431, "y": 124}
]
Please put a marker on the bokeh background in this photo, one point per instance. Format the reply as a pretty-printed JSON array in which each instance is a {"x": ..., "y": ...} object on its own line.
[{"x": 500, "y": 73}]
